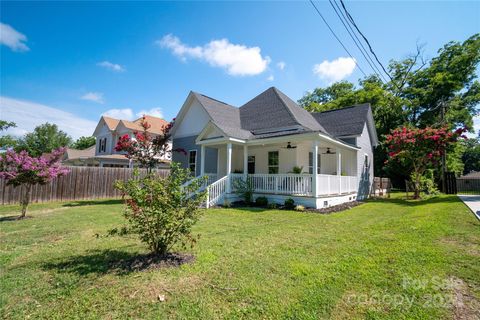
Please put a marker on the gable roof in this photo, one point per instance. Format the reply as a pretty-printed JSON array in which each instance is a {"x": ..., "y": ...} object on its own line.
[
  {"x": 347, "y": 121},
  {"x": 271, "y": 111},
  {"x": 274, "y": 114},
  {"x": 156, "y": 124}
]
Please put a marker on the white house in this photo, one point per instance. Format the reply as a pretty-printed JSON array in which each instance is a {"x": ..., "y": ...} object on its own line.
[{"x": 270, "y": 137}]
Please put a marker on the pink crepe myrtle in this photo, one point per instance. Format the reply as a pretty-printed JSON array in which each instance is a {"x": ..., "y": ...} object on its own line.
[
  {"x": 19, "y": 168},
  {"x": 145, "y": 148},
  {"x": 420, "y": 149}
]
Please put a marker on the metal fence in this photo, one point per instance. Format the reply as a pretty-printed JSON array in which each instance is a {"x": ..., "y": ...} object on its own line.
[
  {"x": 82, "y": 183},
  {"x": 468, "y": 186}
]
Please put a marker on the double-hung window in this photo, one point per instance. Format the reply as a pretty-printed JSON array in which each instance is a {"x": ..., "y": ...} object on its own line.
[
  {"x": 310, "y": 162},
  {"x": 192, "y": 161},
  {"x": 273, "y": 162}
]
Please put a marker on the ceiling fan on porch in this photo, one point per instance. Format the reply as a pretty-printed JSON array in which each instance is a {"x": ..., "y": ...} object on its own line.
[
  {"x": 329, "y": 151},
  {"x": 289, "y": 146}
]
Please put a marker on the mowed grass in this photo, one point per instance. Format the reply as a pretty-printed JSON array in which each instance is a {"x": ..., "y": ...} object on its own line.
[{"x": 250, "y": 264}]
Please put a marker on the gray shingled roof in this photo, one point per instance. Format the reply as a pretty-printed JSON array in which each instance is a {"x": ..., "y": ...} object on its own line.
[
  {"x": 273, "y": 114},
  {"x": 348, "y": 121},
  {"x": 272, "y": 110}
]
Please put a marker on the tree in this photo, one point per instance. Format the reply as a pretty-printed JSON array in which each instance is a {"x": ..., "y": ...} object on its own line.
[
  {"x": 43, "y": 139},
  {"x": 145, "y": 148},
  {"x": 161, "y": 211},
  {"x": 84, "y": 143},
  {"x": 471, "y": 156},
  {"x": 21, "y": 169},
  {"x": 7, "y": 141},
  {"x": 419, "y": 149}
]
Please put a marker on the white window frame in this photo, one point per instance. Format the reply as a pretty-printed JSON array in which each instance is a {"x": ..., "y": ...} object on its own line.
[
  {"x": 194, "y": 163},
  {"x": 273, "y": 166}
]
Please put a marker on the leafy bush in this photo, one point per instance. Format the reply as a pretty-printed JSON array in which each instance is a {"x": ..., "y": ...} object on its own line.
[
  {"x": 299, "y": 208},
  {"x": 427, "y": 183},
  {"x": 160, "y": 210},
  {"x": 289, "y": 204},
  {"x": 261, "y": 201},
  {"x": 244, "y": 188},
  {"x": 272, "y": 206},
  {"x": 296, "y": 170}
]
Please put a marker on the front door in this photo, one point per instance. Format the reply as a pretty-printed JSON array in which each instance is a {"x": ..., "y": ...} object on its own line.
[{"x": 251, "y": 164}]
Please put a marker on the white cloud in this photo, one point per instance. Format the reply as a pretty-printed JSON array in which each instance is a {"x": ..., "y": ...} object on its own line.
[
  {"x": 334, "y": 70},
  {"x": 123, "y": 114},
  {"x": 281, "y": 65},
  {"x": 12, "y": 38},
  {"x": 93, "y": 96},
  {"x": 271, "y": 78},
  {"x": 111, "y": 66},
  {"x": 237, "y": 60},
  {"x": 156, "y": 112},
  {"x": 129, "y": 114},
  {"x": 27, "y": 115}
]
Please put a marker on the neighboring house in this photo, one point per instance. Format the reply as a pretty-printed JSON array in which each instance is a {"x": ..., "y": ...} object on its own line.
[
  {"x": 267, "y": 138},
  {"x": 75, "y": 157},
  {"x": 109, "y": 130}
]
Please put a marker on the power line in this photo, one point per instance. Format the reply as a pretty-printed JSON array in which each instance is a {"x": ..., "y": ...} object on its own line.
[
  {"x": 356, "y": 40},
  {"x": 364, "y": 38},
  {"x": 336, "y": 37}
]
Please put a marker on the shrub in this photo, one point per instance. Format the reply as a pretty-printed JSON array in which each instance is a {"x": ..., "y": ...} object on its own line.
[
  {"x": 160, "y": 210},
  {"x": 261, "y": 201},
  {"x": 244, "y": 188},
  {"x": 289, "y": 204},
  {"x": 272, "y": 206},
  {"x": 299, "y": 208}
]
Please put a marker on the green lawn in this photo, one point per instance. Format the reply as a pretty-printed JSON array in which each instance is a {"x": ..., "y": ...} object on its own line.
[{"x": 384, "y": 259}]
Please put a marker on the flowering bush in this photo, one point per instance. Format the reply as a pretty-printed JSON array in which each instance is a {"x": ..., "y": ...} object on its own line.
[
  {"x": 160, "y": 210},
  {"x": 22, "y": 169},
  {"x": 420, "y": 149}
]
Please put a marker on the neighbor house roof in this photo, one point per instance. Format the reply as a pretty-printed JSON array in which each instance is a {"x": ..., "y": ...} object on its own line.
[
  {"x": 71, "y": 154},
  {"x": 156, "y": 124},
  {"x": 471, "y": 175}
]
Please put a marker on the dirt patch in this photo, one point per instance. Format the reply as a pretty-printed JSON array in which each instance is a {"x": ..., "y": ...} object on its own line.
[
  {"x": 465, "y": 305},
  {"x": 153, "y": 261},
  {"x": 470, "y": 248}
]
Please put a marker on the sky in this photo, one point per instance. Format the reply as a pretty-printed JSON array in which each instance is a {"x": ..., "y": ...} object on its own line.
[{"x": 70, "y": 62}]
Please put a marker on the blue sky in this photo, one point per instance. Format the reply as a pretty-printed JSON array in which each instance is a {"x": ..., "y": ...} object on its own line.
[{"x": 71, "y": 62}]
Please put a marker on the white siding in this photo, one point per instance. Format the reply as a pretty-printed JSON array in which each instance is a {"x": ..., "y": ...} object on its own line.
[{"x": 193, "y": 122}]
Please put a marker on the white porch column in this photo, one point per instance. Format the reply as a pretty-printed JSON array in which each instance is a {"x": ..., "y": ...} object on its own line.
[
  {"x": 339, "y": 170},
  {"x": 245, "y": 161},
  {"x": 202, "y": 160},
  {"x": 314, "y": 167},
  {"x": 229, "y": 166}
]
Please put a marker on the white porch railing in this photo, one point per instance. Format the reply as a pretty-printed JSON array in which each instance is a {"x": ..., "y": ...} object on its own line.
[
  {"x": 299, "y": 184},
  {"x": 215, "y": 191}
]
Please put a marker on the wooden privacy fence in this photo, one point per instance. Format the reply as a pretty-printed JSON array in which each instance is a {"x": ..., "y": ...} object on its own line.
[{"x": 82, "y": 183}]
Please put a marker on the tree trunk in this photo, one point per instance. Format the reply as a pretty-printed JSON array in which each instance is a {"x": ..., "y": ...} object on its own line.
[
  {"x": 416, "y": 193},
  {"x": 25, "y": 201}
]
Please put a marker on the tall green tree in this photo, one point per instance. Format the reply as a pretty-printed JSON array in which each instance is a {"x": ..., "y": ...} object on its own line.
[
  {"x": 7, "y": 141},
  {"x": 438, "y": 92},
  {"x": 44, "y": 139},
  {"x": 84, "y": 143}
]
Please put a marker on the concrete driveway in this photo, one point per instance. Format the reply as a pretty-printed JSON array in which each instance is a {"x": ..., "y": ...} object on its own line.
[{"x": 473, "y": 202}]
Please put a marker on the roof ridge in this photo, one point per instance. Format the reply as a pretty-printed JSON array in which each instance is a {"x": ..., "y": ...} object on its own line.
[
  {"x": 367, "y": 104},
  {"x": 219, "y": 101}
]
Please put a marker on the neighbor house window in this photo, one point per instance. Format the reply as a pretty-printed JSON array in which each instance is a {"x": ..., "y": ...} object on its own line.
[
  {"x": 103, "y": 145},
  {"x": 192, "y": 161},
  {"x": 273, "y": 162},
  {"x": 310, "y": 162}
]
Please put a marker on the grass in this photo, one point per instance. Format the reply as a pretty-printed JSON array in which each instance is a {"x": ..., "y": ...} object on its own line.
[{"x": 250, "y": 263}]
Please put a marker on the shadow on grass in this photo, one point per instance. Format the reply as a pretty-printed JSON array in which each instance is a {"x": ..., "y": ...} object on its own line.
[
  {"x": 92, "y": 202},
  {"x": 9, "y": 218},
  {"x": 117, "y": 262},
  {"x": 420, "y": 202}
]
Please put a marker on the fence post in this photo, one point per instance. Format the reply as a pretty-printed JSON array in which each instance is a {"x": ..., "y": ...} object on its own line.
[{"x": 207, "y": 204}]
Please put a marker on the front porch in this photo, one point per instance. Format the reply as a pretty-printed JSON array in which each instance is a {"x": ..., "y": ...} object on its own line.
[{"x": 285, "y": 167}]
